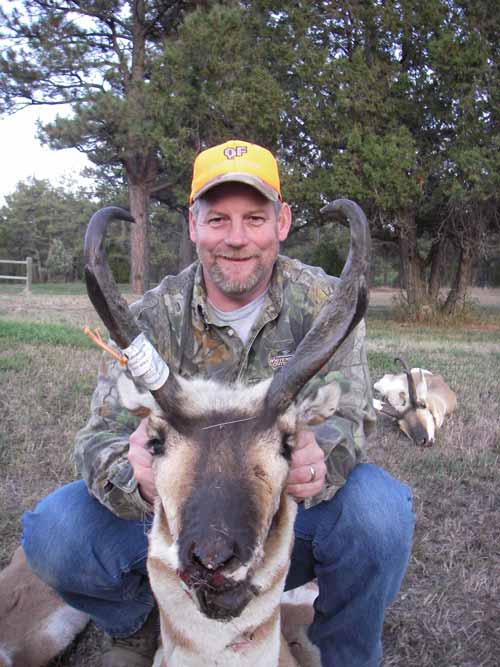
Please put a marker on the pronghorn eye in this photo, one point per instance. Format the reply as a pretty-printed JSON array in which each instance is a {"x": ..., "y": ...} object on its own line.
[
  {"x": 285, "y": 449},
  {"x": 156, "y": 446},
  {"x": 421, "y": 404}
]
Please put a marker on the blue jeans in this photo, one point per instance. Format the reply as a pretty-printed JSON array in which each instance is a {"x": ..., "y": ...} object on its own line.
[{"x": 357, "y": 545}]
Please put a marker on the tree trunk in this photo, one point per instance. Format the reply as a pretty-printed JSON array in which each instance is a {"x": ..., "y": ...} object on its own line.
[
  {"x": 457, "y": 296},
  {"x": 412, "y": 268},
  {"x": 437, "y": 255},
  {"x": 139, "y": 239}
]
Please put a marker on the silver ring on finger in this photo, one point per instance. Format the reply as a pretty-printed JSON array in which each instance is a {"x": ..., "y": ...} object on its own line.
[{"x": 313, "y": 474}]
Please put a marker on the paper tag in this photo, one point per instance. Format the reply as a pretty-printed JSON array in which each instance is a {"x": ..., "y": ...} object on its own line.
[{"x": 145, "y": 363}]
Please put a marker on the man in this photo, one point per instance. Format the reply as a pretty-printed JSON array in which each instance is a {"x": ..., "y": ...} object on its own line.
[{"x": 238, "y": 313}]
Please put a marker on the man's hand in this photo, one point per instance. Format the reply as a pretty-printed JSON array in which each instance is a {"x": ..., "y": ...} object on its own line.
[
  {"x": 140, "y": 458},
  {"x": 307, "y": 456}
]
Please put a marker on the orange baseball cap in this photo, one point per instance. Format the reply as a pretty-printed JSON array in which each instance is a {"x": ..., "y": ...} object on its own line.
[{"x": 238, "y": 161}]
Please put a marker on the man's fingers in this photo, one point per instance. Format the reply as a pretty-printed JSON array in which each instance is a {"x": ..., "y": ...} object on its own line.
[
  {"x": 304, "y": 474},
  {"x": 309, "y": 455},
  {"x": 141, "y": 459},
  {"x": 304, "y": 490},
  {"x": 303, "y": 439},
  {"x": 140, "y": 437}
]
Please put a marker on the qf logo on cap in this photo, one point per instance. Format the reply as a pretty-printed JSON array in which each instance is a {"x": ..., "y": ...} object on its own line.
[{"x": 231, "y": 152}]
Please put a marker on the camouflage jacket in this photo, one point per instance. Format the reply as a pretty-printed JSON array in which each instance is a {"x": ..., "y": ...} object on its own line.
[{"x": 174, "y": 317}]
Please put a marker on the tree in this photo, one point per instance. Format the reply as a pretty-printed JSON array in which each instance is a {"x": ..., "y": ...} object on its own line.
[
  {"x": 215, "y": 85},
  {"x": 95, "y": 56},
  {"x": 37, "y": 215},
  {"x": 394, "y": 104}
]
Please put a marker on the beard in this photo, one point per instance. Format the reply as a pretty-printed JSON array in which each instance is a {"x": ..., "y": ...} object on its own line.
[
  {"x": 229, "y": 283},
  {"x": 237, "y": 285}
]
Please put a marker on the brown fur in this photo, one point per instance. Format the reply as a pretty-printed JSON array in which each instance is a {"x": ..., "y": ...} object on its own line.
[{"x": 35, "y": 623}]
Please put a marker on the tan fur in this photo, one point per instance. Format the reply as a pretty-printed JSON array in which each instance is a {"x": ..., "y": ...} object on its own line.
[
  {"x": 441, "y": 400},
  {"x": 297, "y": 614},
  {"x": 35, "y": 623}
]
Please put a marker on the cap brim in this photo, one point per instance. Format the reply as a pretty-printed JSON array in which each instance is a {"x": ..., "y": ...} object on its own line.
[{"x": 265, "y": 189}]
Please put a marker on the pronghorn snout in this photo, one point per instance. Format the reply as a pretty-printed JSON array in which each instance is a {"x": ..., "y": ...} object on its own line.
[
  {"x": 422, "y": 440},
  {"x": 215, "y": 554}
]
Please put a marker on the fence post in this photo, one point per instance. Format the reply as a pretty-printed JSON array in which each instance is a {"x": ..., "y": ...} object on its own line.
[{"x": 29, "y": 274}]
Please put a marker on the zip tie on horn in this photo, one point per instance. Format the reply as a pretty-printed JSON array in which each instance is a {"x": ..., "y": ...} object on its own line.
[
  {"x": 140, "y": 357},
  {"x": 95, "y": 336}
]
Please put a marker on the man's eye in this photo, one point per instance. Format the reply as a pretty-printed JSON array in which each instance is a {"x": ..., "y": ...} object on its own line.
[
  {"x": 256, "y": 220},
  {"x": 215, "y": 222}
]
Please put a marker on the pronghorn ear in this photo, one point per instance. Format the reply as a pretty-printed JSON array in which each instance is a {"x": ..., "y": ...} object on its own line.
[
  {"x": 422, "y": 387},
  {"x": 320, "y": 406},
  {"x": 314, "y": 409}
]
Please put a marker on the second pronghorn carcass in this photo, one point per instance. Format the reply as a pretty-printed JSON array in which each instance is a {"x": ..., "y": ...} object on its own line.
[
  {"x": 222, "y": 533},
  {"x": 35, "y": 623},
  {"x": 417, "y": 400}
]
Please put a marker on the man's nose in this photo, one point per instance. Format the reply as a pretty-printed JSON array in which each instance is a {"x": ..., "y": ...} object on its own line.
[{"x": 236, "y": 234}]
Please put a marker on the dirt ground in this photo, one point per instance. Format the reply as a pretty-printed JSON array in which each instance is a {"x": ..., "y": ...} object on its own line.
[
  {"x": 76, "y": 309},
  {"x": 448, "y": 610},
  {"x": 484, "y": 296}
]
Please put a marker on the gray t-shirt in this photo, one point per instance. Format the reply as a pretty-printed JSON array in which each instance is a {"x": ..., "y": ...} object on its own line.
[{"x": 241, "y": 320}]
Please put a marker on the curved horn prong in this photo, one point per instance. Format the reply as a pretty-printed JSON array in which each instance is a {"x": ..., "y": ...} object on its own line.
[
  {"x": 107, "y": 300},
  {"x": 412, "y": 390},
  {"x": 337, "y": 318},
  {"x": 101, "y": 287}
]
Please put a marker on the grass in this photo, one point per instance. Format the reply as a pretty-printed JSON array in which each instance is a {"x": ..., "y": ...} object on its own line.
[
  {"x": 41, "y": 332},
  {"x": 49, "y": 289},
  {"x": 448, "y": 611}
]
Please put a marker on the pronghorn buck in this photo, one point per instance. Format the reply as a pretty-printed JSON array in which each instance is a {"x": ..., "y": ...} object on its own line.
[
  {"x": 417, "y": 400},
  {"x": 35, "y": 623},
  {"x": 222, "y": 533}
]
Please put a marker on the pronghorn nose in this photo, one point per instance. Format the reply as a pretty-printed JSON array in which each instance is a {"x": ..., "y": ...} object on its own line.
[{"x": 214, "y": 555}]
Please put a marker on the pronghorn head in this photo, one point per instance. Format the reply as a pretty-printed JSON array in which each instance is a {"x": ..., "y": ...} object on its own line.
[
  {"x": 220, "y": 470},
  {"x": 406, "y": 395},
  {"x": 222, "y": 452}
]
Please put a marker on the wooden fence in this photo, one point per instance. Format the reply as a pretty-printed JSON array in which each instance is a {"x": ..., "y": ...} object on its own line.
[{"x": 28, "y": 278}]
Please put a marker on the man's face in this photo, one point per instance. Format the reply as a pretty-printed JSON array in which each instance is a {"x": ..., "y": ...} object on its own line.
[{"x": 237, "y": 233}]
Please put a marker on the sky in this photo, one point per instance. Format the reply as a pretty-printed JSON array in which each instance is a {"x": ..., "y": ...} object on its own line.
[{"x": 24, "y": 156}]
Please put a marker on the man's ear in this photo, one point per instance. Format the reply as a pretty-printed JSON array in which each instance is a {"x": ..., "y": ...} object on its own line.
[
  {"x": 284, "y": 221},
  {"x": 320, "y": 406},
  {"x": 192, "y": 227}
]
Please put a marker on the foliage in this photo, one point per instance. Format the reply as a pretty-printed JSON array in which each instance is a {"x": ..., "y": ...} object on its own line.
[
  {"x": 213, "y": 84},
  {"x": 37, "y": 217},
  {"x": 59, "y": 261}
]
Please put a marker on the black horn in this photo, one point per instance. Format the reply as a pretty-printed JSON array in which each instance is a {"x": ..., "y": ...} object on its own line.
[
  {"x": 337, "y": 318},
  {"x": 412, "y": 390},
  {"x": 101, "y": 287},
  {"x": 105, "y": 297}
]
